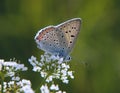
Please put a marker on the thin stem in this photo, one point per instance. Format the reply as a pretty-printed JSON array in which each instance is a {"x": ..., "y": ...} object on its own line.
[
  {"x": 38, "y": 89},
  {"x": 2, "y": 85}
]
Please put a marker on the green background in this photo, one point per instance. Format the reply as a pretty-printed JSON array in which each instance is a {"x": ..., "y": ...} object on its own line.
[{"x": 96, "y": 55}]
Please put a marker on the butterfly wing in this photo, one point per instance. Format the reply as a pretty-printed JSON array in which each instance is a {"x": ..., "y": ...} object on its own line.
[
  {"x": 70, "y": 29},
  {"x": 49, "y": 39},
  {"x": 60, "y": 39}
]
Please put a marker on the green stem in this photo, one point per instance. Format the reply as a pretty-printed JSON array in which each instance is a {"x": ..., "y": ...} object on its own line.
[
  {"x": 2, "y": 85},
  {"x": 38, "y": 89}
]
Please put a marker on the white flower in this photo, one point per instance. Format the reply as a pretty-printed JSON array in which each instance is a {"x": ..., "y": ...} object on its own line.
[
  {"x": 7, "y": 68},
  {"x": 20, "y": 67},
  {"x": 54, "y": 87},
  {"x": 36, "y": 68},
  {"x": 27, "y": 82},
  {"x": 50, "y": 68},
  {"x": 0, "y": 67},
  {"x": 25, "y": 86},
  {"x": 32, "y": 60},
  {"x": 11, "y": 69},
  {"x": 60, "y": 60},
  {"x": 42, "y": 58},
  {"x": 1, "y": 63},
  {"x": 65, "y": 66},
  {"x": 11, "y": 83},
  {"x": 64, "y": 72},
  {"x": 44, "y": 89},
  {"x": 65, "y": 81},
  {"x": 5, "y": 84},
  {"x": 1, "y": 60},
  {"x": 20, "y": 83},
  {"x": 70, "y": 73},
  {"x": 16, "y": 78},
  {"x": 26, "y": 89},
  {"x": 55, "y": 57},
  {"x": 12, "y": 64},
  {"x": 4, "y": 87},
  {"x": 50, "y": 78},
  {"x": 10, "y": 74},
  {"x": 60, "y": 92},
  {"x": 43, "y": 74}
]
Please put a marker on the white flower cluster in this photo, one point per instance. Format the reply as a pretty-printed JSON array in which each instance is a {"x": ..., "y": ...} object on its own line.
[
  {"x": 11, "y": 67},
  {"x": 52, "y": 67},
  {"x": 4, "y": 87},
  {"x": 53, "y": 87},
  {"x": 15, "y": 84},
  {"x": 23, "y": 86}
]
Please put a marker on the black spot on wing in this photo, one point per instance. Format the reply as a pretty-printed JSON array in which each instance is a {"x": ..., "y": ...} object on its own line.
[
  {"x": 66, "y": 32},
  {"x": 70, "y": 31},
  {"x": 64, "y": 42},
  {"x": 72, "y": 36},
  {"x": 70, "y": 41}
]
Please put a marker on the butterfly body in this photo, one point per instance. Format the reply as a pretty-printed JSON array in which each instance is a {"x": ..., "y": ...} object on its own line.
[{"x": 59, "y": 40}]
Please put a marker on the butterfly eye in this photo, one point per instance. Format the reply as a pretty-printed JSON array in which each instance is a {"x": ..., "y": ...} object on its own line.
[{"x": 69, "y": 58}]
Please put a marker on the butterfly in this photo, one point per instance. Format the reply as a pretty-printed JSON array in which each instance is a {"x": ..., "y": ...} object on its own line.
[{"x": 59, "y": 40}]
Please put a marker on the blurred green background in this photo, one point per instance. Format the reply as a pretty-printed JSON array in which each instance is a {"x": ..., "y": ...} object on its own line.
[{"x": 96, "y": 55}]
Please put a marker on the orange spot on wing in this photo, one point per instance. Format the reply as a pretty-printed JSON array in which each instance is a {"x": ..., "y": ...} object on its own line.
[{"x": 43, "y": 32}]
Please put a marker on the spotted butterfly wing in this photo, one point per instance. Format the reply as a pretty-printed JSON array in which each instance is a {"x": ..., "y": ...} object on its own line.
[
  {"x": 70, "y": 29},
  {"x": 59, "y": 40},
  {"x": 44, "y": 39}
]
